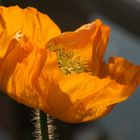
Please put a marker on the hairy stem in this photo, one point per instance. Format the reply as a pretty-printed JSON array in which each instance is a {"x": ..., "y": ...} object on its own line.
[{"x": 43, "y": 126}]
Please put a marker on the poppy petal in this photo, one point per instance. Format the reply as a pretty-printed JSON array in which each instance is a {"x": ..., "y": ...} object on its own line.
[
  {"x": 83, "y": 97},
  {"x": 36, "y": 26},
  {"x": 123, "y": 71},
  {"x": 88, "y": 42}
]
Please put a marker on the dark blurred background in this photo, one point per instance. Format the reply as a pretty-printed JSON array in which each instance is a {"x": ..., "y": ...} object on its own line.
[{"x": 123, "y": 16}]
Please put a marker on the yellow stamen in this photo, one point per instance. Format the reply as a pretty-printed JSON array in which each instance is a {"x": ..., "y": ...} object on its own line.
[{"x": 68, "y": 62}]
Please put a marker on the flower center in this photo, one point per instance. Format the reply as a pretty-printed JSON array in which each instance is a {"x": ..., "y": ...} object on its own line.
[{"x": 69, "y": 63}]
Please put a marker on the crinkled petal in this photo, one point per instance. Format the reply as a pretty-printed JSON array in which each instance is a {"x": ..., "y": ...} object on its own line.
[
  {"x": 122, "y": 71},
  {"x": 83, "y": 97},
  {"x": 20, "y": 69},
  {"x": 88, "y": 42},
  {"x": 23, "y": 54},
  {"x": 36, "y": 26}
]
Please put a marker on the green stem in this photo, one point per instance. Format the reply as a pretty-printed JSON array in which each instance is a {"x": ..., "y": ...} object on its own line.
[{"x": 43, "y": 126}]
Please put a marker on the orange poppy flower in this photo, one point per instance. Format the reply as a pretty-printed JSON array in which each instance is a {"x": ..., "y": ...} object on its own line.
[{"x": 64, "y": 74}]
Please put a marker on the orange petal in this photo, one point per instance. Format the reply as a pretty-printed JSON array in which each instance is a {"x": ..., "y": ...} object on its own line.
[
  {"x": 36, "y": 26},
  {"x": 23, "y": 37},
  {"x": 122, "y": 71},
  {"x": 20, "y": 69},
  {"x": 83, "y": 97},
  {"x": 89, "y": 42},
  {"x": 26, "y": 73}
]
